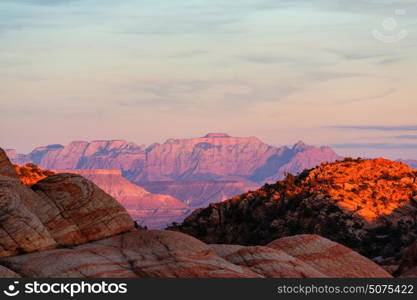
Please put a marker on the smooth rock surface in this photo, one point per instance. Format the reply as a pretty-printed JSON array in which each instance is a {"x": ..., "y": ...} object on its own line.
[
  {"x": 328, "y": 257},
  {"x": 75, "y": 210}
]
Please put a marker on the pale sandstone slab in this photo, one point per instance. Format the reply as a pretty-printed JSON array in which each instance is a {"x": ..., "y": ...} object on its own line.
[
  {"x": 268, "y": 262},
  {"x": 147, "y": 254},
  {"x": 76, "y": 211},
  {"x": 328, "y": 257}
]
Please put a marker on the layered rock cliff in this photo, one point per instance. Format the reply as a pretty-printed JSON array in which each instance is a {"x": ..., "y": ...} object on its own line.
[
  {"x": 368, "y": 205},
  {"x": 196, "y": 171},
  {"x": 61, "y": 210},
  {"x": 212, "y": 157}
]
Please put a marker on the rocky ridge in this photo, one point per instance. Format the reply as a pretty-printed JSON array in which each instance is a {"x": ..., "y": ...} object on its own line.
[{"x": 367, "y": 205}]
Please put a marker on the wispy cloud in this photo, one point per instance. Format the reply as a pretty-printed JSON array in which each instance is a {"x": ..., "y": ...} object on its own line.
[
  {"x": 266, "y": 59},
  {"x": 383, "y": 94},
  {"x": 354, "y": 55},
  {"x": 48, "y": 2},
  {"x": 374, "y": 146},
  {"x": 405, "y": 137},
  {"x": 378, "y": 127}
]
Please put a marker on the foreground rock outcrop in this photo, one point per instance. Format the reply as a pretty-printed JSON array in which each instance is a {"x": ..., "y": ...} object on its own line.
[
  {"x": 367, "y": 205},
  {"x": 61, "y": 210},
  {"x": 327, "y": 257},
  {"x": 65, "y": 226},
  {"x": 20, "y": 228},
  {"x": 167, "y": 254},
  {"x": 408, "y": 266}
]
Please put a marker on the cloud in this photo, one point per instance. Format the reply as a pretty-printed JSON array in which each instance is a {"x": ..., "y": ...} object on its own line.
[
  {"x": 410, "y": 137},
  {"x": 354, "y": 55},
  {"x": 378, "y": 128},
  {"x": 265, "y": 59},
  {"x": 322, "y": 76},
  {"x": 47, "y": 2},
  {"x": 371, "y": 97},
  {"x": 389, "y": 61},
  {"x": 374, "y": 146}
]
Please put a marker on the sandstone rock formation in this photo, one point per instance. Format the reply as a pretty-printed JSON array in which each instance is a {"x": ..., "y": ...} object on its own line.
[
  {"x": 60, "y": 210},
  {"x": 367, "y": 205},
  {"x": 151, "y": 210},
  {"x": 7, "y": 273},
  {"x": 268, "y": 262},
  {"x": 408, "y": 266},
  {"x": 167, "y": 254},
  {"x": 31, "y": 174},
  {"x": 328, "y": 257},
  {"x": 147, "y": 254},
  {"x": 75, "y": 210},
  {"x": 20, "y": 229}
]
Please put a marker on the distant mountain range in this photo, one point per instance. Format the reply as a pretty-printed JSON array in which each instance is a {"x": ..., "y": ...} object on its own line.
[
  {"x": 196, "y": 171},
  {"x": 213, "y": 157},
  {"x": 410, "y": 162}
]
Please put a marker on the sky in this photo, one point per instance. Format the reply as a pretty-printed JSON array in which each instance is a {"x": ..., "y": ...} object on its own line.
[{"x": 329, "y": 72}]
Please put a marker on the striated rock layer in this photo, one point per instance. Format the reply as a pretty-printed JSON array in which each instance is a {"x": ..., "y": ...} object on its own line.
[
  {"x": 328, "y": 257},
  {"x": 21, "y": 230},
  {"x": 167, "y": 254},
  {"x": 31, "y": 174},
  {"x": 367, "y": 205}
]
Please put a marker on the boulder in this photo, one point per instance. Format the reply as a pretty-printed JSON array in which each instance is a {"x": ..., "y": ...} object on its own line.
[
  {"x": 76, "y": 211},
  {"x": 146, "y": 254},
  {"x": 20, "y": 229}
]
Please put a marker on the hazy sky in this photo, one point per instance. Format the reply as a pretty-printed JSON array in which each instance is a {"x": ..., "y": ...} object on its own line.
[{"x": 329, "y": 72}]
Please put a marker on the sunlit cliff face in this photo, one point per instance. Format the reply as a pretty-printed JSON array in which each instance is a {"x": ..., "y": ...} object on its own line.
[
  {"x": 369, "y": 188},
  {"x": 31, "y": 174}
]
